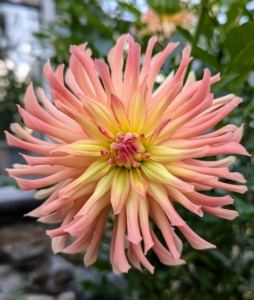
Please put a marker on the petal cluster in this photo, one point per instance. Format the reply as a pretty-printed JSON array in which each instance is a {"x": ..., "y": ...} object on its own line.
[{"x": 120, "y": 147}]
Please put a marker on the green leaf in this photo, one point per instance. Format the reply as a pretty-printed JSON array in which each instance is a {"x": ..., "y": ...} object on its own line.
[
  {"x": 205, "y": 56},
  {"x": 198, "y": 52},
  {"x": 131, "y": 8},
  {"x": 94, "y": 21},
  {"x": 41, "y": 35},
  {"x": 164, "y": 7},
  {"x": 242, "y": 207},
  {"x": 239, "y": 45},
  {"x": 232, "y": 15},
  {"x": 229, "y": 80},
  {"x": 245, "y": 56},
  {"x": 185, "y": 33}
]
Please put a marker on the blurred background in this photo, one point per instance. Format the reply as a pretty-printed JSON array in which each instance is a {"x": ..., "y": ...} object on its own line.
[{"x": 221, "y": 34}]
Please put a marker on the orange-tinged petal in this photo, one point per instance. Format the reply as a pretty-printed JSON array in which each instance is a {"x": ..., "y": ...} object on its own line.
[
  {"x": 138, "y": 250},
  {"x": 131, "y": 74},
  {"x": 177, "y": 170},
  {"x": 158, "y": 173},
  {"x": 138, "y": 107},
  {"x": 181, "y": 198},
  {"x": 165, "y": 228},
  {"x": 82, "y": 148},
  {"x": 91, "y": 254},
  {"x": 27, "y": 184},
  {"x": 102, "y": 187},
  {"x": 119, "y": 113},
  {"x": 196, "y": 241},
  {"x": 120, "y": 189},
  {"x": 221, "y": 212},
  {"x": 119, "y": 256},
  {"x": 147, "y": 59},
  {"x": 103, "y": 70},
  {"x": 209, "y": 200},
  {"x": 207, "y": 122},
  {"x": 138, "y": 183},
  {"x": 132, "y": 207},
  {"x": 157, "y": 109},
  {"x": 174, "y": 125},
  {"x": 96, "y": 171},
  {"x": 100, "y": 114},
  {"x": 164, "y": 154},
  {"x": 67, "y": 161},
  {"x": 88, "y": 66},
  {"x": 163, "y": 254},
  {"x": 133, "y": 257},
  {"x": 157, "y": 191},
  {"x": 55, "y": 113},
  {"x": 144, "y": 224},
  {"x": 115, "y": 58}
]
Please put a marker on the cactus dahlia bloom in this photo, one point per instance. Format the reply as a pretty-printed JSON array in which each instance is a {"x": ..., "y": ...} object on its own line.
[
  {"x": 121, "y": 146},
  {"x": 165, "y": 25}
]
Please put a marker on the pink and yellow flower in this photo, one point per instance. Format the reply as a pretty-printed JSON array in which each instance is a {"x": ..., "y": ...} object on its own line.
[
  {"x": 164, "y": 26},
  {"x": 121, "y": 146}
]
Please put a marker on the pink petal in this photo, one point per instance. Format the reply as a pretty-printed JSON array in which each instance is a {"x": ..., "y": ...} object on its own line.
[
  {"x": 196, "y": 241},
  {"x": 132, "y": 207}
]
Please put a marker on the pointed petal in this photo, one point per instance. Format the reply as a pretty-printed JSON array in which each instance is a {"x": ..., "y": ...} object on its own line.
[
  {"x": 119, "y": 113},
  {"x": 221, "y": 212},
  {"x": 82, "y": 148},
  {"x": 118, "y": 255},
  {"x": 144, "y": 224},
  {"x": 163, "y": 254},
  {"x": 138, "y": 183},
  {"x": 132, "y": 207},
  {"x": 165, "y": 228},
  {"x": 91, "y": 254},
  {"x": 89, "y": 68},
  {"x": 94, "y": 172},
  {"x": 120, "y": 189},
  {"x": 138, "y": 107},
  {"x": 202, "y": 199},
  {"x": 165, "y": 154},
  {"x": 138, "y": 250},
  {"x": 158, "y": 173},
  {"x": 157, "y": 191},
  {"x": 133, "y": 257},
  {"x": 196, "y": 241},
  {"x": 182, "y": 199},
  {"x": 102, "y": 187}
]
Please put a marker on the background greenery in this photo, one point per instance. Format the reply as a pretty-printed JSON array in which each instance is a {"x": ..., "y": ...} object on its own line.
[{"x": 222, "y": 39}]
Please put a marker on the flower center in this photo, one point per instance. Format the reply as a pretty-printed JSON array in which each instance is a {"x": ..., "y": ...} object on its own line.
[{"x": 128, "y": 150}]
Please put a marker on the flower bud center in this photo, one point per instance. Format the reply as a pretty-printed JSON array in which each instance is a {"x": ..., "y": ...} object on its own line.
[{"x": 127, "y": 150}]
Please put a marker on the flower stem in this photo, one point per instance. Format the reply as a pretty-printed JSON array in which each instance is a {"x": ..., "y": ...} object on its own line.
[{"x": 203, "y": 10}]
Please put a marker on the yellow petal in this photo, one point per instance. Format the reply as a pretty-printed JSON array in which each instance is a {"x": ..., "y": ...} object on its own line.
[
  {"x": 120, "y": 189},
  {"x": 138, "y": 107},
  {"x": 119, "y": 113},
  {"x": 83, "y": 148},
  {"x": 97, "y": 170},
  {"x": 138, "y": 183},
  {"x": 157, "y": 172}
]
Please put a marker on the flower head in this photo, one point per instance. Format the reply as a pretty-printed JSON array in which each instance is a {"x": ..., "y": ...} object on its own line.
[
  {"x": 120, "y": 147},
  {"x": 164, "y": 26}
]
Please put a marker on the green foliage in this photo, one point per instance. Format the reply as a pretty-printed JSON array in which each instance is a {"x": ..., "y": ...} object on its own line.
[
  {"x": 13, "y": 92},
  {"x": 164, "y": 6}
]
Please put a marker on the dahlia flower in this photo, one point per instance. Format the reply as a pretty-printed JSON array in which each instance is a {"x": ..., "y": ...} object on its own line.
[
  {"x": 121, "y": 148},
  {"x": 164, "y": 26}
]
